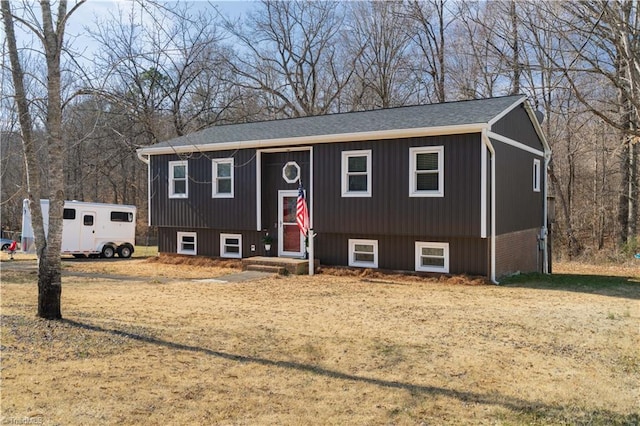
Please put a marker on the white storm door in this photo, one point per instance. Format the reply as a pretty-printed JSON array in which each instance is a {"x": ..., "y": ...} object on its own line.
[{"x": 290, "y": 239}]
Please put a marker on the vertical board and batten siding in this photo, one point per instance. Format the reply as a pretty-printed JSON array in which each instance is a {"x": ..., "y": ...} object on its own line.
[
  {"x": 200, "y": 209},
  {"x": 208, "y": 241},
  {"x": 518, "y": 207},
  {"x": 390, "y": 210},
  {"x": 517, "y": 125},
  {"x": 397, "y": 253}
]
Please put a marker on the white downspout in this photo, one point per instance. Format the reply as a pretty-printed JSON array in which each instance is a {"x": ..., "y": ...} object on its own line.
[
  {"x": 545, "y": 247},
  {"x": 492, "y": 152},
  {"x": 146, "y": 159}
]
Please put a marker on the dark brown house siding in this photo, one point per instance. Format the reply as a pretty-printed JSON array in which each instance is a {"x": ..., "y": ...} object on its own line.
[
  {"x": 200, "y": 210},
  {"x": 466, "y": 255},
  {"x": 390, "y": 210},
  {"x": 518, "y": 207},
  {"x": 517, "y": 125},
  {"x": 208, "y": 241},
  {"x": 272, "y": 182}
]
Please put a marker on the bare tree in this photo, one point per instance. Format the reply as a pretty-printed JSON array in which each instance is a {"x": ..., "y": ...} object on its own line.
[
  {"x": 475, "y": 69},
  {"x": 605, "y": 39},
  {"x": 289, "y": 52},
  {"x": 432, "y": 19},
  {"x": 379, "y": 40},
  {"x": 51, "y": 35}
]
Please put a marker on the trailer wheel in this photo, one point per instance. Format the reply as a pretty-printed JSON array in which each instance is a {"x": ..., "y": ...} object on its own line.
[
  {"x": 108, "y": 252},
  {"x": 124, "y": 252}
]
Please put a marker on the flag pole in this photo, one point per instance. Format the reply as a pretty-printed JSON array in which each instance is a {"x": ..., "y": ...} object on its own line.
[{"x": 310, "y": 235}]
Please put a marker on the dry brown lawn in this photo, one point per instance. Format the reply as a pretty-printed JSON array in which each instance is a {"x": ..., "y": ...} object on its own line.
[{"x": 144, "y": 342}]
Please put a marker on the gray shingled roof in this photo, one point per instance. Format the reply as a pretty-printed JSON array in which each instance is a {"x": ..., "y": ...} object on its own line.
[{"x": 421, "y": 116}]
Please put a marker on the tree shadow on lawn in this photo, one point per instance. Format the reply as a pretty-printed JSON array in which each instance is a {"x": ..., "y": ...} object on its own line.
[
  {"x": 521, "y": 408},
  {"x": 614, "y": 286}
]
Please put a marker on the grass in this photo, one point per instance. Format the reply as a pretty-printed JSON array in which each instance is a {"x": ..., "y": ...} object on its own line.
[{"x": 161, "y": 347}]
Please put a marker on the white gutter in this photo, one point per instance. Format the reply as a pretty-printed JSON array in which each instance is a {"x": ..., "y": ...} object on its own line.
[
  {"x": 492, "y": 151},
  {"x": 141, "y": 156}
]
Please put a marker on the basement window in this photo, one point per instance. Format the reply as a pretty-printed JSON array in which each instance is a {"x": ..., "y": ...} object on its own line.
[
  {"x": 231, "y": 245},
  {"x": 187, "y": 243},
  {"x": 432, "y": 257},
  {"x": 363, "y": 253}
]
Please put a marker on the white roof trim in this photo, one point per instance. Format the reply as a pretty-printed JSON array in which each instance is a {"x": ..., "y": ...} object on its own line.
[
  {"x": 316, "y": 139},
  {"x": 538, "y": 128},
  {"x": 514, "y": 144},
  {"x": 507, "y": 110}
]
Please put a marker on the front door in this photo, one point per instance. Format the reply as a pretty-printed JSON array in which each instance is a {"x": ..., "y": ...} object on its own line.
[{"x": 290, "y": 239}]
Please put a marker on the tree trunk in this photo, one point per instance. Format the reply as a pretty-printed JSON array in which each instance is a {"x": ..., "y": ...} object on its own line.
[
  {"x": 52, "y": 158},
  {"x": 515, "y": 46}
]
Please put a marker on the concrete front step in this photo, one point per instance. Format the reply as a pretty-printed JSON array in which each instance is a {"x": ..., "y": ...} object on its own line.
[
  {"x": 280, "y": 270},
  {"x": 292, "y": 266}
]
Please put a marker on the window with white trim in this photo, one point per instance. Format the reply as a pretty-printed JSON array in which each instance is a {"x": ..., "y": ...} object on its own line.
[
  {"x": 187, "y": 243},
  {"x": 432, "y": 257},
  {"x": 178, "y": 179},
  {"x": 231, "y": 245},
  {"x": 222, "y": 169},
  {"x": 363, "y": 253},
  {"x": 426, "y": 171},
  {"x": 536, "y": 175},
  {"x": 356, "y": 173}
]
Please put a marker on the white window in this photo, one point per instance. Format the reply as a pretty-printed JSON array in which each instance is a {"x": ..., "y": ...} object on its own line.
[
  {"x": 178, "y": 179},
  {"x": 222, "y": 178},
  {"x": 291, "y": 172},
  {"x": 231, "y": 245},
  {"x": 187, "y": 243},
  {"x": 432, "y": 257},
  {"x": 536, "y": 175},
  {"x": 426, "y": 171},
  {"x": 356, "y": 173},
  {"x": 363, "y": 253}
]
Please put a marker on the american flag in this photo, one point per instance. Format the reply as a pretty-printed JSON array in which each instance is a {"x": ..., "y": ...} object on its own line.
[{"x": 302, "y": 214}]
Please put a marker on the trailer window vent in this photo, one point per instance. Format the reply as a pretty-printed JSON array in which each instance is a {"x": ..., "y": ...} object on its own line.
[
  {"x": 69, "y": 214},
  {"x": 121, "y": 217}
]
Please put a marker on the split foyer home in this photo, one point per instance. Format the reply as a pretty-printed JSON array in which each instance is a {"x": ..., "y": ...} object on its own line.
[{"x": 456, "y": 187}]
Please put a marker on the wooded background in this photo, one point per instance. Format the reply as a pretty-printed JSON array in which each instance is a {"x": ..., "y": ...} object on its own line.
[{"x": 151, "y": 71}]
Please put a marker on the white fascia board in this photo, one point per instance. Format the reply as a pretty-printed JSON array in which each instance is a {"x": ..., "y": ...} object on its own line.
[
  {"x": 514, "y": 144},
  {"x": 538, "y": 128},
  {"x": 310, "y": 140},
  {"x": 507, "y": 110}
]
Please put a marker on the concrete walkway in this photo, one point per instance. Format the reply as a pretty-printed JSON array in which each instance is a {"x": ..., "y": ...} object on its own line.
[{"x": 238, "y": 277}]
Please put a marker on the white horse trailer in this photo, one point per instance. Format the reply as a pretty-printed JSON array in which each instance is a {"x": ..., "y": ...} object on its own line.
[{"x": 88, "y": 229}]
